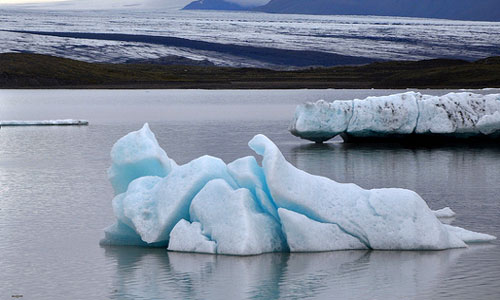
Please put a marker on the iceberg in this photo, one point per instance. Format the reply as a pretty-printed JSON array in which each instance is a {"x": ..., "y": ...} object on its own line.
[
  {"x": 444, "y": 213},
  {"x": 243, "y": 208},
  {"x": 44, "y": 122},
  {"x": 411, "y": 114}
]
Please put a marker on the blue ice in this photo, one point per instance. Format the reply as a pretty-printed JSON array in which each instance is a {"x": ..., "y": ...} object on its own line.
[{"x": 244, "y": 208}]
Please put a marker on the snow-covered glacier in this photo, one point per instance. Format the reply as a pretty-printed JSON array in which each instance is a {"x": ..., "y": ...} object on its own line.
[
  {"x": 243, "y": 208},
  {"x": 411, "y": 114}
]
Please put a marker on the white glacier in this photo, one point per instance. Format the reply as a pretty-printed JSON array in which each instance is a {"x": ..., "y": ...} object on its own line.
[
  {"x": 242, "y": 208},
  {"x": 454, "y": 115}
]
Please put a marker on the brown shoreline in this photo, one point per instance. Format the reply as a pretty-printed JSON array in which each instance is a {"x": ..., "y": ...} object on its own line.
[{"x": 34, "y": 71}]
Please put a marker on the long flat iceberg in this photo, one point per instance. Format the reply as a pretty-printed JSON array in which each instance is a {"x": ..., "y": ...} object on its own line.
[
  {"x": 63, "y": 122},
  {"x": 243, "y": 208},
  {"x": 453, "y": 116}
]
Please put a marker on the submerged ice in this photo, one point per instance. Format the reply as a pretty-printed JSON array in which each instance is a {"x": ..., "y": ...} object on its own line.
[
  {"x": 457, "y": 115},
  {"x": 243, "y": 208}
]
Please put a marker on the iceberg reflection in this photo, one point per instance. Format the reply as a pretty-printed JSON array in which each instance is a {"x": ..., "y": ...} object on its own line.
[{"x": 155, "y": 273}]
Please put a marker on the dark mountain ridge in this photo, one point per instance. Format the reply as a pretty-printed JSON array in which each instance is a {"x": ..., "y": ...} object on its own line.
[
  {"x": 480, "y": 10},
  {"x": 214, "y": 5},
  {"x": 476, "y": 10}
]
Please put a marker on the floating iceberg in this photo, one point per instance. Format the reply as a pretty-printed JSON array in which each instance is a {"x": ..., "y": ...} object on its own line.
[
  {"x": 444, "y": 213},
  {"x": 243, "y": 208},
  {"x": 44, "y": 122},
  {"x": 411, "y": 114}
]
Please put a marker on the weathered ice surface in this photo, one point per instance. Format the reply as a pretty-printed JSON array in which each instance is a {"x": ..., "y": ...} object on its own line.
[
  {"x": 243, "y": 208},
  {"x": 406, "y": 115}
]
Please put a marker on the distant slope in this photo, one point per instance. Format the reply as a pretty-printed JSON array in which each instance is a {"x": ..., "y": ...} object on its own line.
[
  {"x": 214, "y": 5},
  {"x": 21, "y": 70},
  {"x": 480, "y": 10}
]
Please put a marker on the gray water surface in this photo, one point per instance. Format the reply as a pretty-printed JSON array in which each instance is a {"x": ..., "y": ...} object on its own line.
[{"x": 55, "y": 200}]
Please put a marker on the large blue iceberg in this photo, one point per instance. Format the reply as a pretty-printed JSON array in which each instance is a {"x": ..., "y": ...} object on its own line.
[
  {"x": 242, "y": 208},
  {"x": 454, "y": 115}
]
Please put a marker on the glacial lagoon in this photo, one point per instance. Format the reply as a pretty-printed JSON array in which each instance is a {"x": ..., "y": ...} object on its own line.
[{"x": 55, "y": 201}]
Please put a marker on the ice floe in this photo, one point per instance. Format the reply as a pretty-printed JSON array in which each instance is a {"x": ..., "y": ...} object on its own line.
[
  {"x": 454, "y": 115},
  {"x": 44, "y": 122},
  {"x": 444, "y": 213},
  {"x": 243, "y": 208}
]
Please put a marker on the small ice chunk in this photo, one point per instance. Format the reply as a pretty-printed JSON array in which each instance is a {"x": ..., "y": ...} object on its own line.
[
  {"x": 187, "y": 237},
  {"x": 444, "y": 213},
  {"x": 135, "y": 155}
]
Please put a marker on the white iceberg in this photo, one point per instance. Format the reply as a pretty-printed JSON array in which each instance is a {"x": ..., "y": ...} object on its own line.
[
  {"x": 242, "y": 208},
  {"x": 44, "y": 122},
  {"x": 444, "y": 213},
  {"x": 454, "y": 115}
]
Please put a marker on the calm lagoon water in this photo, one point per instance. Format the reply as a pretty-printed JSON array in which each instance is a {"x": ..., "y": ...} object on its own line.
[{"x": 55, "y": 200}]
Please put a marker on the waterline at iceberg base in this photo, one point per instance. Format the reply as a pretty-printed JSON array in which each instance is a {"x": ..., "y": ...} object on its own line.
[
  {"x": 407, "y": 116},
  {"x": 242, "y": 208}
]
